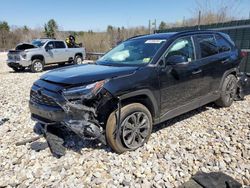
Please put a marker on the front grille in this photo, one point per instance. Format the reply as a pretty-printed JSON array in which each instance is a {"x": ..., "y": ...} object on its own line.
[
  {"x": 39, "y": 98},
  {"x": 15, "y": 57}
]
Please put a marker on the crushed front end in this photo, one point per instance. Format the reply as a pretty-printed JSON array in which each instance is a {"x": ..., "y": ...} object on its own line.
[{"x": 81, "y": 108}]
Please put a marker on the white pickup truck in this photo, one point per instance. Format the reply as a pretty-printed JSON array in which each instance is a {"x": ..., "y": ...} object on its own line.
[{"x": 42, "y": 52}]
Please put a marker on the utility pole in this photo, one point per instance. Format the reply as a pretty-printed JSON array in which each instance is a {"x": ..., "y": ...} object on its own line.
[
  {"x": 152, "y": 25},
  {"x": 155, "y": 25},
  {"x": 149, "y": 26},
  {"x": 199, "y": 20},
  {"x": 183, "y": 21}
]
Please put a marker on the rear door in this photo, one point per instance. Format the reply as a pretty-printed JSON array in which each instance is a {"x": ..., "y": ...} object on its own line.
[
  {"x": 207, "y": 57},
  {"x": 226, "y": 57},
  {"x": 60, "y": 51},
  {"x": 180, "y": 83}
]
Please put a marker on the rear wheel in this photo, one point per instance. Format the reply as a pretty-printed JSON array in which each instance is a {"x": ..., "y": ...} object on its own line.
[
  {"x": 134, "y": 131},
  {"x": 78, "y": 59},
  {"x": 228, "y": 92},
  {"x": 37, "y": 65}
]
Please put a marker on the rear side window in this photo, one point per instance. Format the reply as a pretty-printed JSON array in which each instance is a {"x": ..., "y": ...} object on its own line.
[
  {"x": 59, "y": 44},
  {"x": 208, "y": 45},
  {"x": 223, "y": 45}
]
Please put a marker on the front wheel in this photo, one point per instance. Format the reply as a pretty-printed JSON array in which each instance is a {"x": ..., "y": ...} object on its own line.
[
  {"x": 135, "y": 128},
  {"x": 228, "y": 91},
  {"x": 37, "y": 65}
]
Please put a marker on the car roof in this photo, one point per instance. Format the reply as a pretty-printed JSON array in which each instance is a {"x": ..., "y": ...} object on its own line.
[
  {"x": 176, "y": 34},
  {"x": 47, "y": 39}
]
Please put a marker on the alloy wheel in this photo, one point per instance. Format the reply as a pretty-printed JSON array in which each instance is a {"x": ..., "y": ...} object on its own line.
[
  {"x": 135, "y": 129},
  {"x": 38, "y": 66}
]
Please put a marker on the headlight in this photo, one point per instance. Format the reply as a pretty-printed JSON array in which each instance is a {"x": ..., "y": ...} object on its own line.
[
  {"x": 86, "y": 91},
  {"x": 23, "y": 55}
]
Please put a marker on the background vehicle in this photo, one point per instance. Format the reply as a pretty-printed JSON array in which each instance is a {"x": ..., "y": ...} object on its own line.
[
  {"x": 143, "y": 81},
  {"x": 43, "y": 52}
]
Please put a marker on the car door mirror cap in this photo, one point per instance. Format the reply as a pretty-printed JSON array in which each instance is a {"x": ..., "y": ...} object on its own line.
[
  {"x": 177, "y": 60},
  {"x": 49, "y": 47}
]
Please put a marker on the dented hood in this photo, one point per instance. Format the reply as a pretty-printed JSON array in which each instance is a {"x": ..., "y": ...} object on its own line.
[{"x": 80, "y": 74}]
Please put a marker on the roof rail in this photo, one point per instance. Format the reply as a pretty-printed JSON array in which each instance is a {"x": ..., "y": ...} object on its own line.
[
  {"x": 48, "y": 38},
  {"x": 134, "y": 37}
]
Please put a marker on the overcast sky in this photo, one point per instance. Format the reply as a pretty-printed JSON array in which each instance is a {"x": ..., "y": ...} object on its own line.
[{"x": 97, "y": 14}]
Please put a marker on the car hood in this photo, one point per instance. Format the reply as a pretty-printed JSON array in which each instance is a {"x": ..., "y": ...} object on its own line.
[
  {"x": 81, "y": 74},
  {"x": 25, "y": 46}
]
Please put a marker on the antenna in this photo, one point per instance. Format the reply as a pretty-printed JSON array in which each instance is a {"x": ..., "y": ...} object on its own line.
[{"x": 199, "y": 21}]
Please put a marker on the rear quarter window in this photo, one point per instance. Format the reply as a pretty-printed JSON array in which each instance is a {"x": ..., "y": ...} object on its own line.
[
  {"x": 59, "y": 44},
  {"x": 223, "y": 44},
  {"x": 208, "y": 46}
]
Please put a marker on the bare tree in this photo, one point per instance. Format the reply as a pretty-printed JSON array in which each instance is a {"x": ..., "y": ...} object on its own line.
[{"x": 211, "y": 12}]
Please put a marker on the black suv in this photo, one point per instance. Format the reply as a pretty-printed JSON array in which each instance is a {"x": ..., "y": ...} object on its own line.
[{"x": 143, "y": 81}]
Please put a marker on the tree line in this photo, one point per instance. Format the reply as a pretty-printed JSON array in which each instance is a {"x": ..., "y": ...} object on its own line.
[{"x": 104, "y": 41}]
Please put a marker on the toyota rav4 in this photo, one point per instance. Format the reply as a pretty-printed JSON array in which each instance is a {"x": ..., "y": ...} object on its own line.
[{"x": 142, "y": 82}]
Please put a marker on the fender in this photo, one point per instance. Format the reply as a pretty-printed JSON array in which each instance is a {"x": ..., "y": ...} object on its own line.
[
  {"x": 233, "y": 70},
  {"x": 41, "y": 57},
  {"x": 146, "y": 92}
]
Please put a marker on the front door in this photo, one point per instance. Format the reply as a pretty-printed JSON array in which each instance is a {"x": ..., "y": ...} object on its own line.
[
  {"x": 50, "y": 53},
  {"x": 180, "y": 83}
]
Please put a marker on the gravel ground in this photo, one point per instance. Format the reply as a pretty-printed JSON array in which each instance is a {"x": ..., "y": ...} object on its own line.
[{"x": 207, "y": 139}]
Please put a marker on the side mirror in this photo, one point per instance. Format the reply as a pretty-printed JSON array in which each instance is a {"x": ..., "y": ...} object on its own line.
[
  {"x": 176, "y": 59},
  {"x": 49, "y": 47},
  {"x": 224, "y": 49}
]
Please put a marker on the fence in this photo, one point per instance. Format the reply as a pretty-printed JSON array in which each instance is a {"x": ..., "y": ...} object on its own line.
[{"x": 94, "y": 55}]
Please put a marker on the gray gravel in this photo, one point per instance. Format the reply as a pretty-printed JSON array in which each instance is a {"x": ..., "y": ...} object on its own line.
[{"x": 207, "y": 139}]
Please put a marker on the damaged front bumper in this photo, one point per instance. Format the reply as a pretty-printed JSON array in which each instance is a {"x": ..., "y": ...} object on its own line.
[
  {"x": 85, "y": 117},
  {"x": 18, "y": 63}
]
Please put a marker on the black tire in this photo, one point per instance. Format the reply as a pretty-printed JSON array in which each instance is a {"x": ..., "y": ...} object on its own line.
[
  {"x": 18, "y": 69},
  {"x": 117, "y": 138},
  {"x": 228, "y": 91},
  {"x": 78, "y": 59},
  {"x": 37, "y": 65}
]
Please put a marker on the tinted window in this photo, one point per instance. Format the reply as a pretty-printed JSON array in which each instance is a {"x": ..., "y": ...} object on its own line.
[
  {"x": 223, "y": 45},
  {"x": 183, "y": 47},
  {"x": 59, "y": 44},
  {"x": 50, "y": 44},
  {"x": 208, "y": 45}
]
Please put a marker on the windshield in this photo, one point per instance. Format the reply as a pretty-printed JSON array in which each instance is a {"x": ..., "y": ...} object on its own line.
[
  {"x": 38, "y": 43},
  {"x": 132, "y": 52}
]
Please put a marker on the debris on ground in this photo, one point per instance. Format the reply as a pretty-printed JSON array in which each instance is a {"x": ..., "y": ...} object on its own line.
[
  {"x": 3, "y": 120},
  {"x": 211, "y": 180}
]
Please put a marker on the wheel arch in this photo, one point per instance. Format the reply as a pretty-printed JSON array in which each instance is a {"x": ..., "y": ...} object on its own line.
[
  {"x": 40, "y": 57},
  {"x": 80, "y": 54},
  {"x": 144, "y": 97},
  {"x": 233, "y": 71}
]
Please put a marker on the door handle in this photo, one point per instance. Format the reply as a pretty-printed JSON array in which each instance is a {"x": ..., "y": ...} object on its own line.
[
  {"x": 225, "y": 60},
  {"x": 197, "y": 71}
]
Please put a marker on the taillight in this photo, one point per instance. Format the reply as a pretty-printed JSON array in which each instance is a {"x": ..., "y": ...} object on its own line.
[{"x": 243, "y": 54}]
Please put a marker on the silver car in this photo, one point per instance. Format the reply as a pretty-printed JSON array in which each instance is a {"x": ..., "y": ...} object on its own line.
[{"x": 42, "y": 52}]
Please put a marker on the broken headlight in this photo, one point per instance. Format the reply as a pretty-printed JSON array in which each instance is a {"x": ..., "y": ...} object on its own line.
[
  {"x": 23, "y": 55},
  {"x": 86, "y": 91}
]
